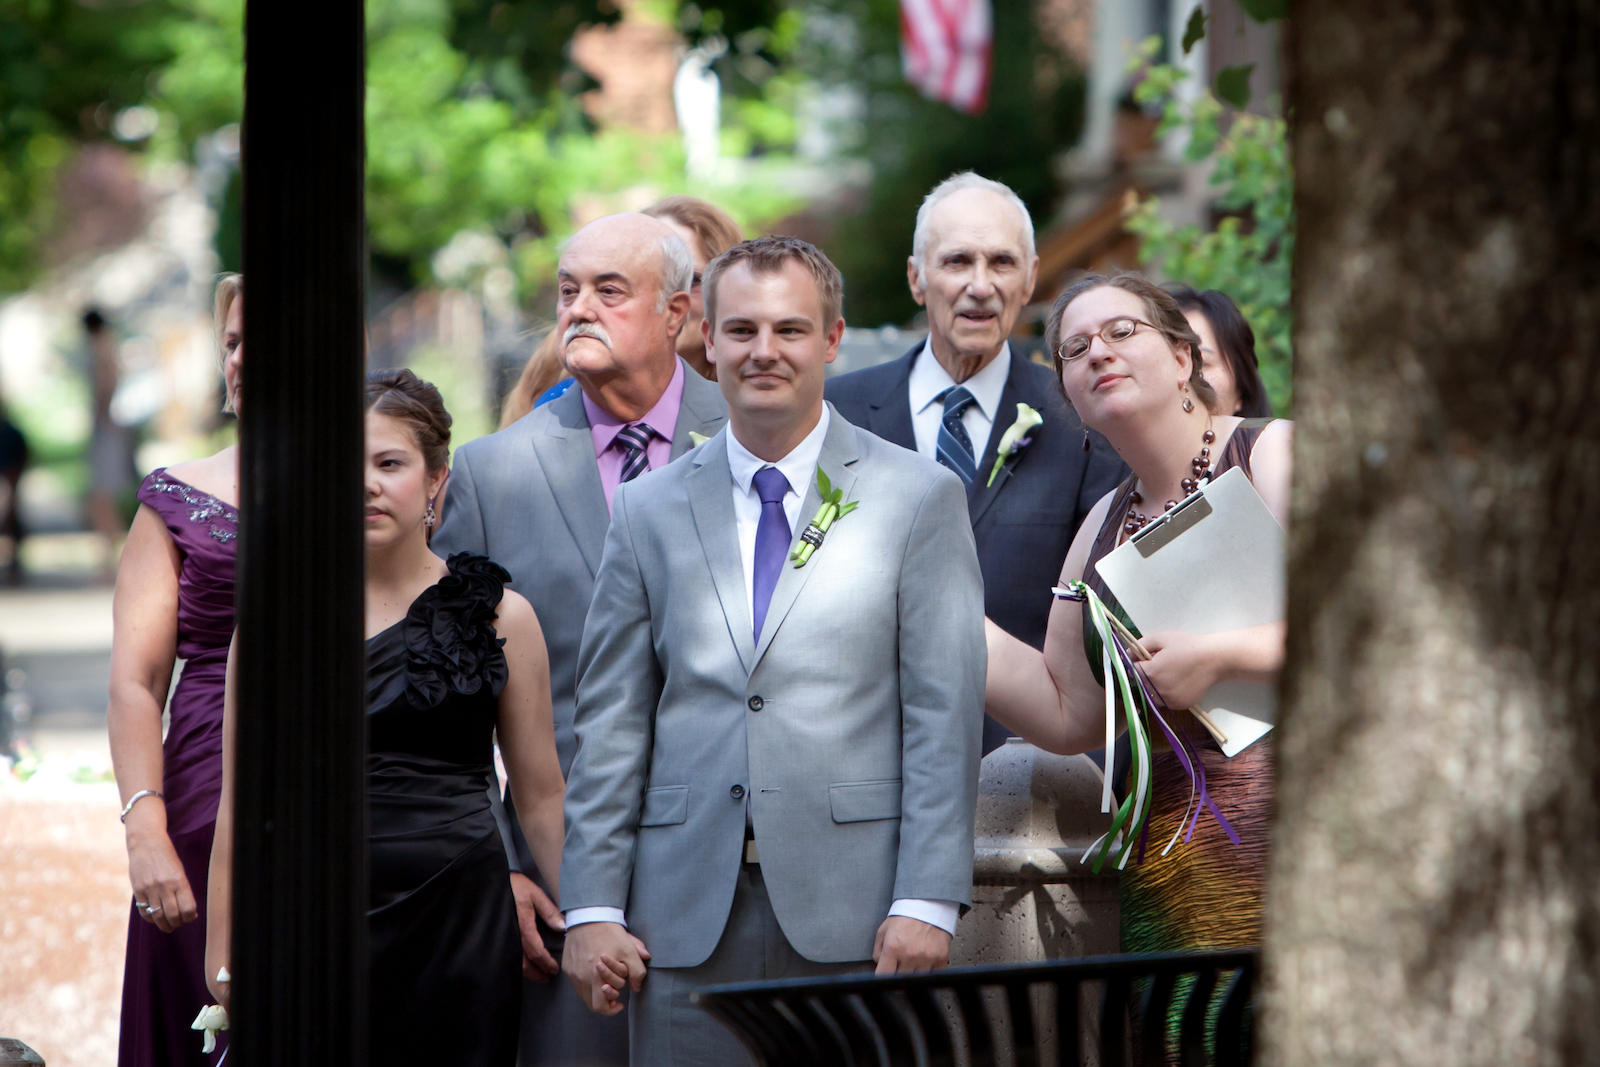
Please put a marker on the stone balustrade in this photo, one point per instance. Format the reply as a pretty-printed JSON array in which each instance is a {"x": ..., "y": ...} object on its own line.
[{"x": 1032, "y": 898}]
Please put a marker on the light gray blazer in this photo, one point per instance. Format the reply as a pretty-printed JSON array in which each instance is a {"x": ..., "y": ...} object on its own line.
[
  {"x": 529, "y": 498},
  {"x": 853, "y": 725}
]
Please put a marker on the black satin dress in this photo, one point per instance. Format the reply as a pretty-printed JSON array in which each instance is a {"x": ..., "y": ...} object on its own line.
[{"x": 446, "y": 958}]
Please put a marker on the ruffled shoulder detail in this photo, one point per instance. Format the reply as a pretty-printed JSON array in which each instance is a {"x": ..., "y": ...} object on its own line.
[{"x": 449, "y": 633}]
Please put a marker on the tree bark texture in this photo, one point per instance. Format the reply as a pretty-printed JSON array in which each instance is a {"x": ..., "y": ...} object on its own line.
[{"x": 1436, "y": 869}]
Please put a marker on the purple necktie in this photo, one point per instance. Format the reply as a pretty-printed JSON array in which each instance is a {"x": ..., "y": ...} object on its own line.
[{"x": 772, "y": 540}]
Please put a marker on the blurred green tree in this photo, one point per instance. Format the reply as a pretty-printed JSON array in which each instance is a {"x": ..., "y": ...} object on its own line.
[{"x": 67, "y": 69}]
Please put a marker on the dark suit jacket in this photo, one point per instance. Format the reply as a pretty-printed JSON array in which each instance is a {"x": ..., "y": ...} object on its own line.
[{"x": 1024, "y": 523}]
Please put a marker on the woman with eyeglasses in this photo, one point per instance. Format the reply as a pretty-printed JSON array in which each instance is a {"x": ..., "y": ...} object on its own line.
[{"x": 1126, "y": 358}]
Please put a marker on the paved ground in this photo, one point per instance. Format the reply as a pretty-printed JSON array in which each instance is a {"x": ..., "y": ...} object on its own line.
[{"x": 63, "y": 868}]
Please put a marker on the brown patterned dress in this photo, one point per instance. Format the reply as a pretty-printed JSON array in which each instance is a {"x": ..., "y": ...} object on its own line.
[{"x": 1207, "y": 892}]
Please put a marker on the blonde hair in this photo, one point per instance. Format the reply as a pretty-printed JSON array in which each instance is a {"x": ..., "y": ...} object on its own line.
[
  {"x": 230, "y": 287},
  {"x": 543, "y": 369}
]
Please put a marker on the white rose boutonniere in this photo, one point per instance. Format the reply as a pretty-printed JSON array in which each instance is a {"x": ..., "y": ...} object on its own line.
[{"x": 1015, "y": 439}]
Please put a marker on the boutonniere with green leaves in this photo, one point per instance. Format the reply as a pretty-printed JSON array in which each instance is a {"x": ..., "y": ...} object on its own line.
[
  {"x": 1015, "y": 439},
  {"x": 697, "y": 439},
  {"x": 830, "y": 512}
]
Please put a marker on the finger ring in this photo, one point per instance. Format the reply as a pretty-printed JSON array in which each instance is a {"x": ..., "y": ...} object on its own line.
[{"x": 153, "y": 909}]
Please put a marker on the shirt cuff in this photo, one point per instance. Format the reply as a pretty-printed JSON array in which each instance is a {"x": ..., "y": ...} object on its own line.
[
  {"x": 940, "y": 913},
  {"x": 579, "y": 916}
]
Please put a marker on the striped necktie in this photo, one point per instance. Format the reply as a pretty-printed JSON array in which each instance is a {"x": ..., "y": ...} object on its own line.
[
  {"x": 955, "y": 446},
  {"x": 632, "y": 441}
]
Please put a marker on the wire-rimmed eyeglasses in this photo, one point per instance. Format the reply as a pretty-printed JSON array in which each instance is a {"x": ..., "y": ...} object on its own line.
[{"x": 1113, "y": 332}]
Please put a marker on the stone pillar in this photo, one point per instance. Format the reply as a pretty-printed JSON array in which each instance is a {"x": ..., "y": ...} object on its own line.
[
  {"x": 1032, "y": 898},
  {"x": 15, "y": 1052}
]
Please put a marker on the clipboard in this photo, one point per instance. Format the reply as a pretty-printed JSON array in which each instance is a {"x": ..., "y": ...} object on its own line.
[{"x": 1213, "y": 563}]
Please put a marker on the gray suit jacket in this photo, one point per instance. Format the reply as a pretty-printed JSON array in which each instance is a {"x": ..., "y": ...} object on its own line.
[
  {"x": 529, "y": 498},
  {"x": 852, "y": 728}
]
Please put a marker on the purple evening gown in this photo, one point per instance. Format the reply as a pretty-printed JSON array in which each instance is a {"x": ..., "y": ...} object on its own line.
[{"x": 163, "y": 984}]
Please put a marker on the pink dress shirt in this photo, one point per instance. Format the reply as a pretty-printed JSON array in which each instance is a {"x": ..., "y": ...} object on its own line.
[{"x": 604, "y": 427}]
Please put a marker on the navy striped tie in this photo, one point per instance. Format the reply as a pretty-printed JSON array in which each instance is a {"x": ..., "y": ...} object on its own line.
[
  {"x": 955, "y": 447},
  {"x": 632, "y": 441}
]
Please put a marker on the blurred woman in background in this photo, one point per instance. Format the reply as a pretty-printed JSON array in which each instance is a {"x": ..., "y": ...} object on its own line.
[
  {"x": 1228, "y": 351},
  {"x": 174, "y": 601},
  {"x": 542, "y": 375},
  {"x": 708, "y": 231}
]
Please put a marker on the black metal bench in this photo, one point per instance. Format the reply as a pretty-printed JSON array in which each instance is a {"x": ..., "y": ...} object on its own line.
[{"x": 1194, "y": 1006}]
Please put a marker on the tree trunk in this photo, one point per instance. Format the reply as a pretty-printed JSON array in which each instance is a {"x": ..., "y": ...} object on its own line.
[{"x": 1436, "y": 870}]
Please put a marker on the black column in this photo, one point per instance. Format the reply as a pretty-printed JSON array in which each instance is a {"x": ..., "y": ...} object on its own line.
[{"x": 299, "y": 932}]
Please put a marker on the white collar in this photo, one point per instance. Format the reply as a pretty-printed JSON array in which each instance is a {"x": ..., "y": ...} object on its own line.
[
  {"x": 929, "y": 379},
  {"x": 799, "y": 466}
]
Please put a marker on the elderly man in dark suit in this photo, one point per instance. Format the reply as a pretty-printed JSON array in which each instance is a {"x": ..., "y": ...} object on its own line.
[{"x": 953, "y": 398}]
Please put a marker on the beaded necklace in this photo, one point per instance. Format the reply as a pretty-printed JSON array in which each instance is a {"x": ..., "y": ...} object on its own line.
[{"x": 1200, "y": 468}]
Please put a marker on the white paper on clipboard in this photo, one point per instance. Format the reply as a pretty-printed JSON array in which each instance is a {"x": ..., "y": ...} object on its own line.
[{"x": 1214, "y": 563}]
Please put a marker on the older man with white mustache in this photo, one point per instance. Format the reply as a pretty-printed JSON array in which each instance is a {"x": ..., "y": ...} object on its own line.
[{"x": 536, "y": 497}]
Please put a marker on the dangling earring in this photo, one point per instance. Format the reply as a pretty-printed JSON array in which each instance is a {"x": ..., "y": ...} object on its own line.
[
  {"x": 429, "y": 518},
  {"x": 1086, "y": 438},
  {"x": 1188, "y": 405}
]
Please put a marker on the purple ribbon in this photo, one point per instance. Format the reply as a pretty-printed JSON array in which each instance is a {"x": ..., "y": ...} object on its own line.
[{"x": 1188, "y": 755}]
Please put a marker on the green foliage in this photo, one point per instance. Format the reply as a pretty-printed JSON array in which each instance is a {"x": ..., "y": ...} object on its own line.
[
  {"x": 1233, "y": 85},
  {"x": 519, "y": 47},
  {"x": 483, "y": 140},
  {"x": 66, "y": 69},
  {"x": 1195, "y": 30},
  {"x": 1248, "y": 255},
  {"x": 202, "y": 86}
]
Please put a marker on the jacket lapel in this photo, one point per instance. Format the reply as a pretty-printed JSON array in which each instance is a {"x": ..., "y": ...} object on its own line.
[
  {"x": 702, "y": 411},
  {"x": 710, "y": 488},
  {"x": 839, "y": 450},
  {"x": 566, "y": 455},
  {"x": 982, "y": 495},
  {"x": 889, "y": 416}
]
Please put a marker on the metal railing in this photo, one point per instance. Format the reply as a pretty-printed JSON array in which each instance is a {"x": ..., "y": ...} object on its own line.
[{"x": 1189, "y": 1008}]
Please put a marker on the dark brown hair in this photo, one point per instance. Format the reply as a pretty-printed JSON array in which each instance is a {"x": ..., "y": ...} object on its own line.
[
  {"x": 1160, "y": 308},
  {"x": 401, "y": 395},
  {"x": 713, "y": 228},
  {"x": 767, "y": 255},
  {"x": 1236, "y": 343}
]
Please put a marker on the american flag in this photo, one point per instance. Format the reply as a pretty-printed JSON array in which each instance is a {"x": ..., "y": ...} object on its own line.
[{"x": 945, "y": 50}]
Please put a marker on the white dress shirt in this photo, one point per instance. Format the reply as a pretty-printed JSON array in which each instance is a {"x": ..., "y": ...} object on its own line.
[
  {"x": 800, "y": 468},
  {"x": 929, "y": 379}
]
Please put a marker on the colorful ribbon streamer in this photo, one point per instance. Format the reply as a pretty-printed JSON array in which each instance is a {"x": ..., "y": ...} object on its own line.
[{"x": 1140, "y": 704}]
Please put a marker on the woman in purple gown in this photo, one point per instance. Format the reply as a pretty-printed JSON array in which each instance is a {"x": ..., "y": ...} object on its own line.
[{"x": 174, "y": 601}]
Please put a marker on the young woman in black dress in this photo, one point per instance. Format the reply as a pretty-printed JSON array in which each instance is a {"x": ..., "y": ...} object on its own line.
[{"x": 453, "y": 658}]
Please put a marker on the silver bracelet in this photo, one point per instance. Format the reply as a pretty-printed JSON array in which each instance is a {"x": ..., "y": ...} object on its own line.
[{"x": 140, "y": 795}]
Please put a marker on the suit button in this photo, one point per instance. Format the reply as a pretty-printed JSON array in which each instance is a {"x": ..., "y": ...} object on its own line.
[
  {"x": 756, "y": 703},
  {"x": 737, "y": 792}
]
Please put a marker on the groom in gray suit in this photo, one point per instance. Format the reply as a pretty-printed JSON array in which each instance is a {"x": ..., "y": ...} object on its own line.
[
  {"x": 536, "y": 498},
  {"x": 777, "y": 751}
]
